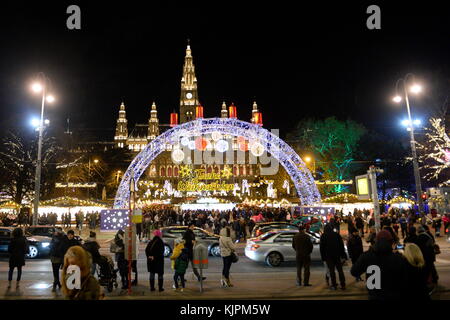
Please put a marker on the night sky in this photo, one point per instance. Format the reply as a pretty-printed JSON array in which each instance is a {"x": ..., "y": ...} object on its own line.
[{"x": 297, "y": 62}]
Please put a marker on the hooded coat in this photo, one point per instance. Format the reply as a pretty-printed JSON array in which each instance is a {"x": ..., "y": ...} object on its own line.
[
  {"x": 331, "y": 245},
  {"x": 17, "y": 249},
  {"x": 392, "y": 270},
  {"x": 155, "y": 248}
]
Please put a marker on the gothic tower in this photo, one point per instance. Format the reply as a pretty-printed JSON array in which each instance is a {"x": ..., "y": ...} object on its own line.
[
  {"x": 121, "y": 128},
  {"x": 189, "y": 95},
  {"x": 153, "y": 124},
  {"x": 224, "y": 111}
]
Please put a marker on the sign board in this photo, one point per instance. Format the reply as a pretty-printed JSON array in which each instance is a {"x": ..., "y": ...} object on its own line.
[
  {"x": 114, "y": 219},
  {"x": 363, "y": 187},
  {"x": 137, "y": 216},
  {"x": 76, "y": 185},
  {"x": 133, "y": 243}
]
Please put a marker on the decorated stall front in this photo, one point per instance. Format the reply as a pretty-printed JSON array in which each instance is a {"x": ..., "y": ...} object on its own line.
[{"x": 64, "y": 205}]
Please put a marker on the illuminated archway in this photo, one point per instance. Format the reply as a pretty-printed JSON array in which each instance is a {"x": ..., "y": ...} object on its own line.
[{"x": 286, "y": 156}]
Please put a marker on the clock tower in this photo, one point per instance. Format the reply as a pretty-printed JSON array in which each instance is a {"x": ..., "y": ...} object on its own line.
[{"x": 189, "y": 95}]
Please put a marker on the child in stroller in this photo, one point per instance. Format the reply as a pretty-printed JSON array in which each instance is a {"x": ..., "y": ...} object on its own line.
[{"x": 107, "y": 275}]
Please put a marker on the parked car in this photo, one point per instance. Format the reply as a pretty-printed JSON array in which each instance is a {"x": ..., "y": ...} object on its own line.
[
  {"x": 170, "y": 234},
  {"x": 275, "y": 247},
  {"x": 263, "y": 227},
  {"x": 39, "y": 245}
]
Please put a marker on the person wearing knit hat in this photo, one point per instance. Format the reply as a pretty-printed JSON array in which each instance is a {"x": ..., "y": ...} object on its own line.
[
  {"x": 384, "y": 234},
  {"x": 391, "y": 269},
  {"x": 155, "y": 260}
]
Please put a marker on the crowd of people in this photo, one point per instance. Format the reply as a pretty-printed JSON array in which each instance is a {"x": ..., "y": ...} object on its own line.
[{"x": 410, "y": 273}]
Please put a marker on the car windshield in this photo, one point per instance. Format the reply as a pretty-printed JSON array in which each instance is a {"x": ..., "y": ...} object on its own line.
[{"x": 266, "y": 236}]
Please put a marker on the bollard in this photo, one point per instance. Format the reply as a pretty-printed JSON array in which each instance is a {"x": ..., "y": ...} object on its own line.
[{"x": 200, "y": 260}]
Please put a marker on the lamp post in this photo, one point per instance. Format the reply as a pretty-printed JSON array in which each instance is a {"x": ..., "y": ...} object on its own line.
[
  {"x": 89, "y": 174},
  {"x": 414, "y": 88},
  {"x": 309, "y": 159},
  {"x": 40, "y": 86}
]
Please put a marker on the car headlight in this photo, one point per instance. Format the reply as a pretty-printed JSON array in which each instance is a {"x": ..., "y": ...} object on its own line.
[{"x": 45, "y": 244}]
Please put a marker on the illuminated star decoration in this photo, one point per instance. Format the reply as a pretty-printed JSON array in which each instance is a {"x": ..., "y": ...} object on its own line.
[
  {"x": 185, "y": 171},
  {"x": 226, "y": 172}
]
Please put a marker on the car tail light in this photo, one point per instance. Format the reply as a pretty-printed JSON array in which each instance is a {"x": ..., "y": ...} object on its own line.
[
  {"x": 254, "y": 247},
  {"x": 258, "y": 232}
]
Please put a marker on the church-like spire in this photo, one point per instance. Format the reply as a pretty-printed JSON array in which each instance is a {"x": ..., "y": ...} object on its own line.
[
  {"x": 189, "y": 95},
  {"x": 224, "y": 111},
  {"x": 121, "y": 127},
  {"x": 153, "y": 123}
]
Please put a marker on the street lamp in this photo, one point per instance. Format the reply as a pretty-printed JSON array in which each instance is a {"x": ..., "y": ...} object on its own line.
[
  {"x": 309, "y": 159},
  {"x": 40, "y": 87},
  {"x": 413, "y": 88},
  {"x": 89, "y": 174}
]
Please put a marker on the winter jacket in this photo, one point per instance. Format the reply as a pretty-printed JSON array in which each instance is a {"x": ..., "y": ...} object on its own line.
[
  {"x": 66, "y": 244},
  {"x": 90, "y": 290},
  {"x": 392, "y": 270},
  {"x": 118, "y": 240},
  {"x": 17, "y": 249},
  {"x": 355, "y": 247},
  {"x": 182, "y": 262},
  {"x": 416, "y": 285},
  {"x": 226, "y": 244},
  {"x": 426, "y": 245},
  {"x": 176, "y": 253},
  {"x": 331, "y": 245},
  {"x": 92, "y": 246},
  {"x": 302, "y": 244},
  {"x": 189, "y": 238},
  {"x": 56, "y": 249},
  {"x": 155, "y": 248}
]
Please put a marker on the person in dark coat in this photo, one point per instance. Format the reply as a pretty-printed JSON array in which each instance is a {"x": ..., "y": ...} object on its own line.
[
  {"x": 391, "y": 267},
  {"x": 416, "y": 286},
  {"x": 57, "y": 256},
  {"x": 426, "y": 242},
  {"x": 70, "y": 241},
  {"x": 411, "y": 236},
  {"x": 355, "y": 247},
  {"x": 359, "y": 223},
  {"x": 332, "y": 251},
  {"x": 120, "y": 258},
  {"x": 155, "y": 260},
  {"x": 303, "y": 247},
  {"x": 189, "y": 241},
  {"x": 91, "y": 245},
  {"x": 17, "y": 249}
]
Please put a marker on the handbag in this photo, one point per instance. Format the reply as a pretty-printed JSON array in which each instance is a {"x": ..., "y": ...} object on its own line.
[
  {"x": 113, "y": 247},
  {"x": 437, "y": 249},
  {"x": 234, "y": 257}
]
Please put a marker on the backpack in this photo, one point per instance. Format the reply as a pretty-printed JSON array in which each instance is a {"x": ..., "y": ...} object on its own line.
[{"x": 182, "y": 262}]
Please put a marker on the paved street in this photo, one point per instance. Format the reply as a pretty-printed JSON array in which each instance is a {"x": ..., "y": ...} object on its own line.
[{"x": 252, "y": 280}]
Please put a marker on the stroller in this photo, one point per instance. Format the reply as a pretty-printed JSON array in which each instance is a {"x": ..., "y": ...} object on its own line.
[{"x": 107, "y": 275}]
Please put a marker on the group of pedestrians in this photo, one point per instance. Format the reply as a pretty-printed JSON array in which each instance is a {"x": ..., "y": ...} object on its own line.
[
  {"x": 408, "y": 275},
  {"x": 182, "y": 256},
  {"x": 65, "y": 250}
]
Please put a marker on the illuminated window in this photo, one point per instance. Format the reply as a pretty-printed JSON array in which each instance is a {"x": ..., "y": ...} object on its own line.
[
  {"x": 175, "y": 172},
  {"x": 216, "y": 169},
  {"x": 162, "y": 172},
  {"x": 241, "y": 170},
  {"x": 235, "y": 171},
  {"x": 209, "y": 170},
  {"x": 169, "y": 171}
]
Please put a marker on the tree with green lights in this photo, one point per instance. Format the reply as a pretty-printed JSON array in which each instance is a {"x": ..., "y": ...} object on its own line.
[{"x": 332, "y": 144}]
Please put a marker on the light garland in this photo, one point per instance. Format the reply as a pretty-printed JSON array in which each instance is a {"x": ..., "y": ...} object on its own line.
[{"x": 295, "y": 167}]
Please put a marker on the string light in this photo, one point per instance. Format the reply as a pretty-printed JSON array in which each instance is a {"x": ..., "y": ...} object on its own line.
[{"x": 302, "y": 179}]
